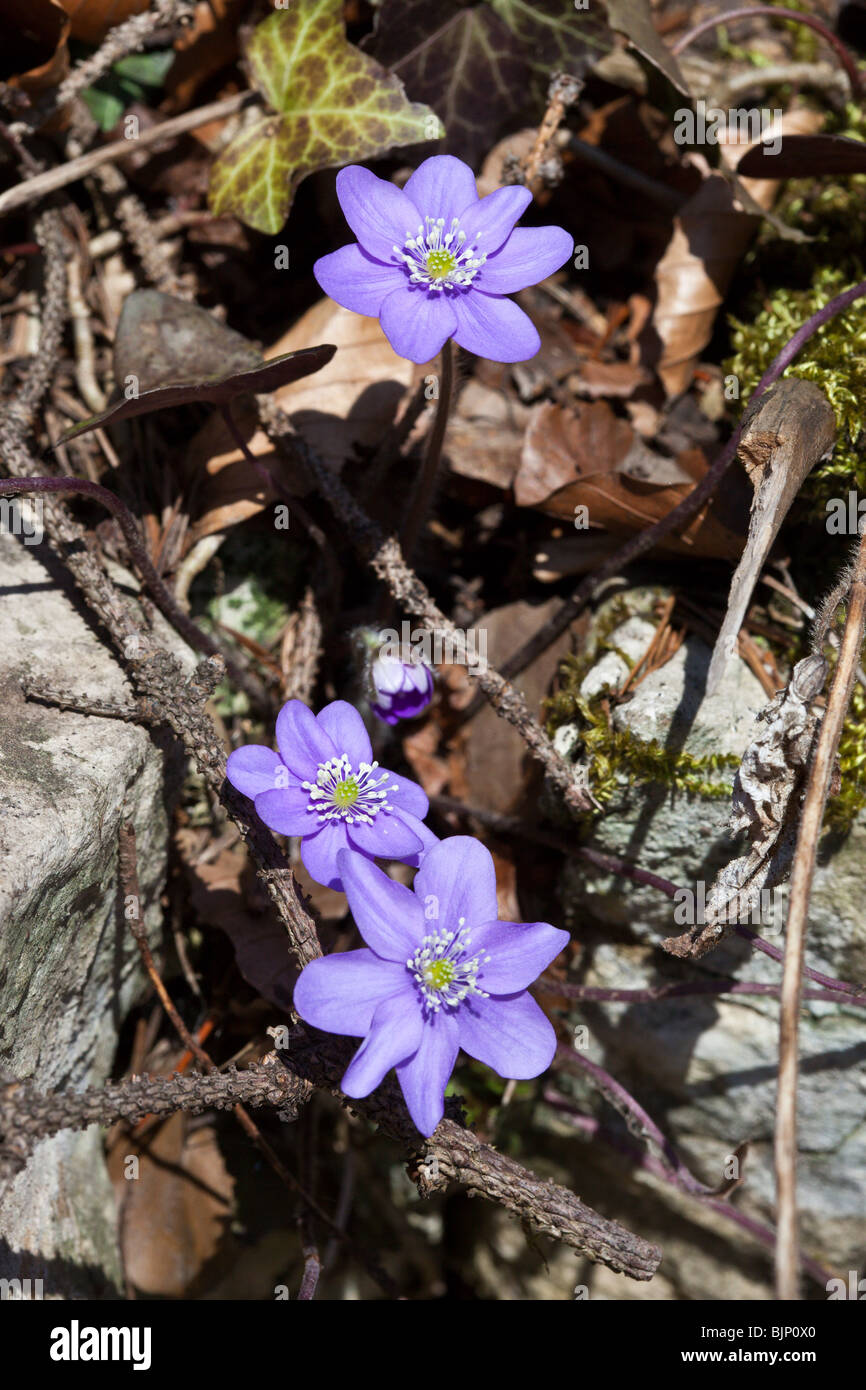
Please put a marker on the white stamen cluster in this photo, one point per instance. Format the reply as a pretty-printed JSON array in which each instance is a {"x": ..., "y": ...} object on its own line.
[
  {"x": 442, "y": 971},
  {"x": 439, "y": 259},
  {"x": 338, "y": 793}
]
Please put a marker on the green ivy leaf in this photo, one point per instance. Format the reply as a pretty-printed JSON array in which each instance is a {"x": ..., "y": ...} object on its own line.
[
  {"x": 333, "y": 105},
  {"x": 507, "y": 50}
]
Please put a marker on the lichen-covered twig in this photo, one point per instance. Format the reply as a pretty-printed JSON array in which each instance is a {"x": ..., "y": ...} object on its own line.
[
  {"x": 128, "y": 37},
  {"x": 30, "y": 190},
  {"x": 385, "y": 558},
  {"x": 455, "y": 1154}
]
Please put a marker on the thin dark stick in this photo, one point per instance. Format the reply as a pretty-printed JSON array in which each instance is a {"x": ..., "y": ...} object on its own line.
[
  {"x": 612, "y": 864},
  {"x": 683, "y": 989},
  {"x": 646, "y": 539},
  {"x": 128, "y": 873},
  {"x": 159, "y": 590},
  {"x": 430, "y": 468}
]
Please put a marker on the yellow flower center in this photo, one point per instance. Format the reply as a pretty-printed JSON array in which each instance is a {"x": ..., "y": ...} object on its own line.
[
  {"x": 440, "y": 264},
  {"x": 439, "y": 973},
  {"x": 346, "y": 793}
]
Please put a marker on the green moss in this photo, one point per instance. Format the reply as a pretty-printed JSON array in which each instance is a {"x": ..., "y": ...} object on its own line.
[
  {"x": 612, "y": 753},
  {"x": 786, "y": 285}
]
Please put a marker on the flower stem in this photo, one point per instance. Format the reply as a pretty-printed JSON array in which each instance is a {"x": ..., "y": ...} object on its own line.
[{"x": 430, "y": 468}]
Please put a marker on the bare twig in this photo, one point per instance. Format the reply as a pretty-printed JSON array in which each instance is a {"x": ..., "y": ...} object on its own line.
[
  {"x": 820, "y": 777},
  {"x": 74, "y": 169},
  {"x": 676, "y": 518},
  {"x": 426, "y": 484},
  {"x": 128, "y": 37},
  {"x": 385, "y": 558},
  {"x": 164, "y": 598}
]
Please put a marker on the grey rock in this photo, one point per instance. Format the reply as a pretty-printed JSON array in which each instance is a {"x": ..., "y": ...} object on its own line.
[
  {"x": 68, "y": 966},
  {"x": 705, "y": 1067}
]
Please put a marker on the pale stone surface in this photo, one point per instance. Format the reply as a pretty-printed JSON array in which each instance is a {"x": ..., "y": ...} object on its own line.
[
  {"x": 705, "y": 1068},
  {"x": 68, "y": 965}
]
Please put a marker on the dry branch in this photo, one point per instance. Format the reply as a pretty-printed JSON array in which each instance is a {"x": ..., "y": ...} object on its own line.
[{"x": 818, "y": 789}]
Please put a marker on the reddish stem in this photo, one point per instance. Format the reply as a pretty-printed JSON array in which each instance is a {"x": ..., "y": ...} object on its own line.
[{"x": 771, "y": 12}]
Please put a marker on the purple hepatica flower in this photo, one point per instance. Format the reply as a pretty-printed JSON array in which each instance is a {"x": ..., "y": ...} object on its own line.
[
  {"x": 324, "y": 786},
  {"x": 425, "y": 986},
  {"x": 435, "y": 261},
  {"x": 401, "y": 689}
]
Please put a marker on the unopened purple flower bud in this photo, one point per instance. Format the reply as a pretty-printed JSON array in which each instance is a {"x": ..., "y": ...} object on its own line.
[{"x": 399, "y": 689}]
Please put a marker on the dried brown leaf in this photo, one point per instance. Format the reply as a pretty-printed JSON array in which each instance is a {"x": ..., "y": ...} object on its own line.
[
  {"x": 591, "y": 458},
  {"x": 354, "y": 400},
  {"x": 710, "y": 236}
]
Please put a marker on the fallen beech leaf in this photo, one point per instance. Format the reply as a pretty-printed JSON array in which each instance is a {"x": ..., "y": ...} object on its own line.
[
  {"x": 220, "y": 893},
  {"x": 35, "y": 57},
  {"x": 499, "y": 772},
  {"x": 805, "y": 156},
  {"x": 333, "y": 105},
  {"x": 157, "y": 338},
  {"x": 710, "y": 236},
  {"x": 591, "y": 458},
  {"x": 485, "y": 435},
  {"x": 619, "y": 379},
  {"x": 789, "y": 429},
  {"x": 352, "y": 402},
  {"x": 175, "y": 1216},
  {"x": 203, "y": 49}
]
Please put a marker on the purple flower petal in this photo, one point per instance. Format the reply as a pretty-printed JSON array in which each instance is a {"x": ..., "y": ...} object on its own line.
[
  {"x": 386, "y": 837},
  {"x": 378, "y": 213},
  {"x": 356, "y": 280},
  {"x": 394, "y": 1035},
  {"x": 255, "y": 769},
  {"x": 287, "y": 811},
  {"x": 424, "y": 1076},
  {"x": 511, "y": 1035},
  {"x": 425, "y": 835},
  {"x": 319, "y": 853},
  {"x": 385, "y": 715},
  {"x": 406, "y": 795},
  {"x": 529, "y": 255},
  {"x": 302, "y": 741},
  {"x": 494, "y": 328},
  {"x": 518, "y": 952},
  {"x": 458, "y": 875},
  {"x": 387, "y": 674},
  {"x": 345, "y": 727},
  {"x": 421, "y": 677},
  {"x": 388, "y": 915},
  {"x": 417, "y": 322},
  {"x": 442, "y": 187},
  {"x": 340, "y": 993},
  {"x": 489, "y": 221}
]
